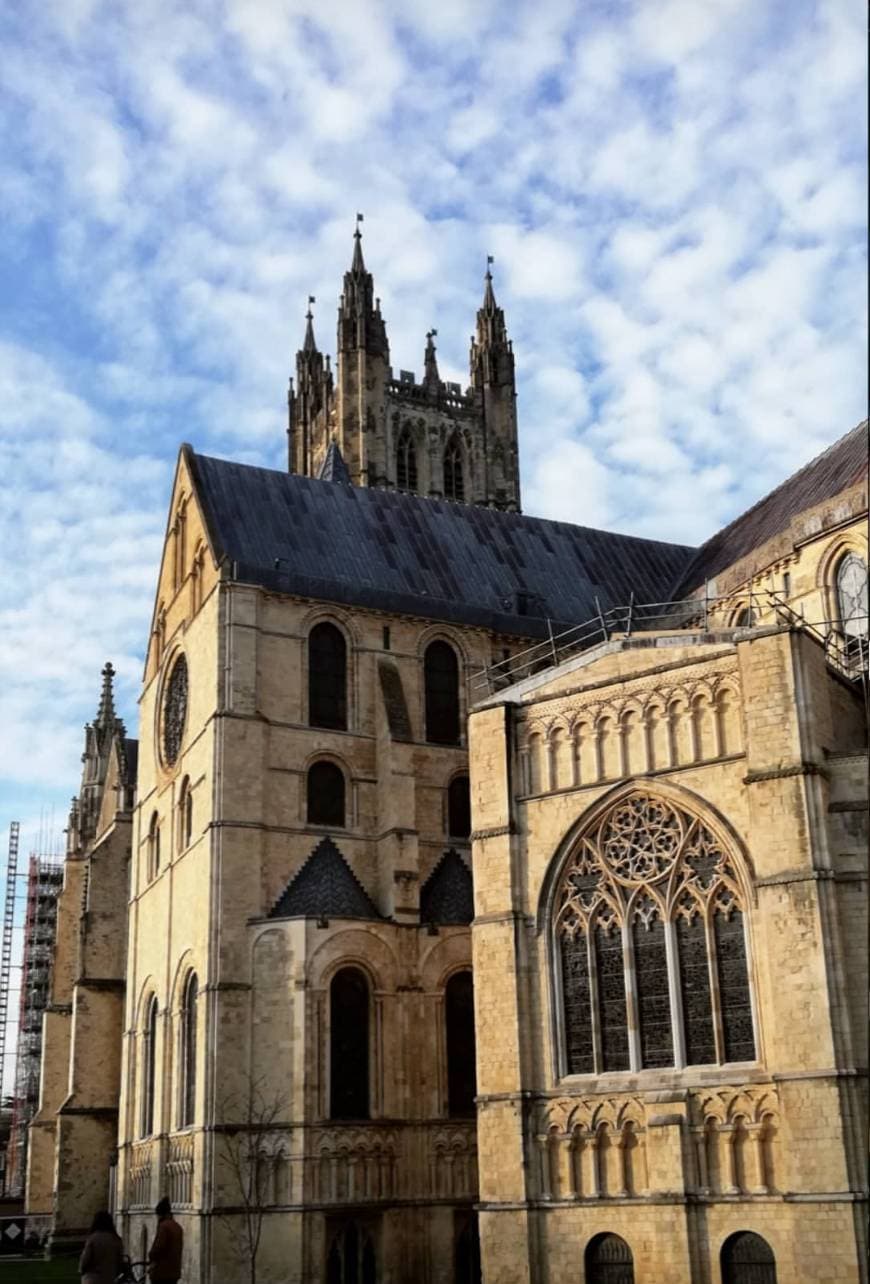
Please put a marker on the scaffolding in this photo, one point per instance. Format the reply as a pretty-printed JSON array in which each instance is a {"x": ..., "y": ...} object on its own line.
[
  {"x": 44, "y": 882},
  {"x": 6, "y": 947}
]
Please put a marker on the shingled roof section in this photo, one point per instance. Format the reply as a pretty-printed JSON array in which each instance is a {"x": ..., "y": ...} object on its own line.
[
  {"x": 840, "y": 466},
  {"x": 334, "y": 469},
  {"x": 447, "y": 896},
  {"x": 325, "y": 887},
  {"x": 414, "y": 556}
]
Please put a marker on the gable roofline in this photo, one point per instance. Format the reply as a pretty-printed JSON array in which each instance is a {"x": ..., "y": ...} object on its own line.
[{"x": 833, "y": 471}]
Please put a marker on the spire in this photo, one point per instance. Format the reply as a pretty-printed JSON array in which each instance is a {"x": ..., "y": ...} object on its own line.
[
  {"x": 431, "y": 377},
  {"x": 489, "y": 304},
  {"x": 360, "y": 324},
  {"x": 106, "y": 717},
  {"x": 357, "y": 266},
  {"x": 309, "y": 344}
]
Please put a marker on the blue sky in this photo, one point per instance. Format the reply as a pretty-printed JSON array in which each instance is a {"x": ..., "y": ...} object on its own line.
[{"x": 673, "y": 192}]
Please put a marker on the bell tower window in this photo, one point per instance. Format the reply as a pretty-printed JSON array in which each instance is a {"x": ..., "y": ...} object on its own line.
[
  {"x": 454, "y": 484},
  {"x": 406, "y": 462}
]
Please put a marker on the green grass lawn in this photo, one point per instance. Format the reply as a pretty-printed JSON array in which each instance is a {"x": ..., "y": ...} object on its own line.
[{"x": 57, "y": 1270}]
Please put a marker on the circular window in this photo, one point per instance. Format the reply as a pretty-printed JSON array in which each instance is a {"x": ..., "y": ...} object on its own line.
[{"x": 174, "y": 710}]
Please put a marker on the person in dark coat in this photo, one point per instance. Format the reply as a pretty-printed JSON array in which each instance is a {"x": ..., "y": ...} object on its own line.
[
  {"x": 102, "y": 1257},
  {"x": 164, "y": 1257}
]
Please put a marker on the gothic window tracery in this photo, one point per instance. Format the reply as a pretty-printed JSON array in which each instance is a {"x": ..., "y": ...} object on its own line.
[
  {"x": 454, "y": 482},
  {"x": 406, "y": 462},
  {"x": 648, "y": 920},
  {"x": 174, "y": 711},
  {"x": 852, "y": 605}
]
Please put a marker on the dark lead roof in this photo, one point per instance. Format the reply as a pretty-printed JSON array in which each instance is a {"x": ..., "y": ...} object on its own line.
[
  {"x": 836, "y": 469},
  {"x": 414, "y": 556},
  {"x": 325, "y": 887}
]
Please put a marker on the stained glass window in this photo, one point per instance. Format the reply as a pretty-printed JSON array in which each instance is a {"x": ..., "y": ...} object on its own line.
[
  {"x": 653, "y": 999},
  {"x": 734, "y": 1001},
  {"x": 695, "y": 986},
  {"x": 578, "y": 1008},
  {"x": 612, "y": 1017},
  {"x": 174, "y": 710},
  {"x": 650, "y": 859}
]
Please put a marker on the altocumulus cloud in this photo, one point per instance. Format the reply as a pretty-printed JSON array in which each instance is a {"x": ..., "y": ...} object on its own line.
[{"x": 673, "y": 193}]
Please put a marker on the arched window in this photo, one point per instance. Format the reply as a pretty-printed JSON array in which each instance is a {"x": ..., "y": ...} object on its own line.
[
  {"x": 154, "y": 846},
  {"x": 149, "y": 1066},
  {"x": 461, "y": 1067},
  {"x": 454, "y": 484},
  {"x": 852, "y": 596},
  {"x": 745, "y": 618},
  {"x": 458, "y": 808},
  {"x": 746, "y": 1258},
  {"x": 325, "y": 794},
  {"x": 349, "y": 1045},
  {"x": 609, "y": 1261},
  {"x": 185, "y": 815},
  {"x": 649, "y": 910},
  {"x": 187, "y": 1053},
  {"x": 406, "y": 462},
  {"x": 351, "y": 1258},
  {"x": 327, "y": 677},
  {"x": 441, "y": 677}
]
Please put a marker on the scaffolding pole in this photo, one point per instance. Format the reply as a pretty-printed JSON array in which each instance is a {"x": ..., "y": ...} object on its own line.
[{"x": 6, "y": 947}]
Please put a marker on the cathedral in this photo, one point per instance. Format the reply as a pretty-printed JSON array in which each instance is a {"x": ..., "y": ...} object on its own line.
[{"x": 484, "y": 898}]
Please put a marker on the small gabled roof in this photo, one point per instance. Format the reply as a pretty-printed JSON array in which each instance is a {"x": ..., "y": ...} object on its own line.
[
  {"x": 333, "y": 468},
  {"x": 409, "y": 555},
  {"x": 324, "y": 887},
  {"x": 447, "y": 896},
  {"x": 836, "y": 469}
]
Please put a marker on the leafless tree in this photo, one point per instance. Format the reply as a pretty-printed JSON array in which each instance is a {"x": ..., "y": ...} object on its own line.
[{"x": 245, "y": 1153}]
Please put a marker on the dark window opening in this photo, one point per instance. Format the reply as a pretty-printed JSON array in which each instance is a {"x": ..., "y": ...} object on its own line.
[
  {"x": 609, "y": 1261},
  {"x": 327, "y": 678},
  {"x": 441, "y": 676},
  {"x": 461, "y": 1067},
  {"x": 612, "y": 1014},
  {"x": 459, "y": 808},
  {"x": 466, "y": 1253},
  {"x": 747, "y": 1259},
  {"x": 325, "y": 794},
  {"x": 149, "y": 1065},
  {"x": 351, "y": 1258},
  {"x": 349, "y": 1045},
  {"x": 386, "y": 637},
  {"x": 406, "y": 463},
  {"x": 188, "y": 1053},
  {"x": 454, "y": 484},
  {"x": 577, "y": 1001},
  {"x": 734, "y": 999}
]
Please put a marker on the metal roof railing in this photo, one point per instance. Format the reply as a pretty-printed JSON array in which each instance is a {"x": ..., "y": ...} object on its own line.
[{"x": 847, "y": 654}]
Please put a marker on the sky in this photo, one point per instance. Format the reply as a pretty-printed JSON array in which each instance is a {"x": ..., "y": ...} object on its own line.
[{"x": 674, "y": 195}]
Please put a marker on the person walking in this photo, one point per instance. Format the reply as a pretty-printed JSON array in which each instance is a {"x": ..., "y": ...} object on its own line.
[
  {"x": 102, "y": 1258},
  {"x": 164, "y": 1257}
]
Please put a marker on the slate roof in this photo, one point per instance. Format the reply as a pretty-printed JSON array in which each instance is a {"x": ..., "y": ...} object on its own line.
[
  {"x": 324, "y": 887},
  {"x": 836, "y": 469},
  {"x": 409, "y": 555},
  {"x": 447, "y": 896}
]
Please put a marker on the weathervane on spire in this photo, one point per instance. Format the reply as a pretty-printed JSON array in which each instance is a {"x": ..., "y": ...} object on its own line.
[
  {"x": 359, "y": 219},
  {"x": 489, "y": 262},
  {"x": 309, "y": 314}
]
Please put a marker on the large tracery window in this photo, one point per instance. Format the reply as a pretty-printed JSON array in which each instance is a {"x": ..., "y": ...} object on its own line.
[
  {"x": 406, "y": 462},
  {"x": 852, "y": 606},
  {"x": 651, "y": 944}
]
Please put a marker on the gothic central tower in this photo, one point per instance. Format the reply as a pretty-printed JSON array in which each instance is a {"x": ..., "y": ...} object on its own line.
[{"x": 430, "y": 438}]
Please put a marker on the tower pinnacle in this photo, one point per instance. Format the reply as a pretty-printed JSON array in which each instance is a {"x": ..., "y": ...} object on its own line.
[{"x": 309, "y": 344}]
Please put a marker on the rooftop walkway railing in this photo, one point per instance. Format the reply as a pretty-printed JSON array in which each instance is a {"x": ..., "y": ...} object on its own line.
[{"x": 846, "y": 652}]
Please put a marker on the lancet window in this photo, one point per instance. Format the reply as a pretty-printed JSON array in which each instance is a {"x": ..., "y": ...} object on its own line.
[
  {"x": 441, "y": 683},
  {"x": 651, "y": 944},
  {"x": 406, "y": 462},
  {"x": 327, "y": 677},
  {"x": 149, "y": 1067},
  {"x": 187, "y": 1095},
  {"x": 454, "y": 482}
]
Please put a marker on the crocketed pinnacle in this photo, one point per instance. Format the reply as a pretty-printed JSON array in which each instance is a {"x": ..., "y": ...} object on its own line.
[
  {"x": 489, "y": 303},
  {"x": 309, "y": 343},
  {"x": 357, "y": 264},
  {"x": 431, "y": 378},
  {"x": 106, "y": 716}
]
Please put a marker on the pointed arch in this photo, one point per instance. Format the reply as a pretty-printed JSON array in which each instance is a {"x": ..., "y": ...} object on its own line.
[
  {"x": 454, "y": 476},
  {"x": 187, "y": 1051},
  {"x": 406, "y": 461},
  {"x": 650, "y": 965}
]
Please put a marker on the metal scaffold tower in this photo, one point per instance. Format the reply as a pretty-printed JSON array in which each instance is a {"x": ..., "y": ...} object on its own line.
[{"x": 6, "y": 947}]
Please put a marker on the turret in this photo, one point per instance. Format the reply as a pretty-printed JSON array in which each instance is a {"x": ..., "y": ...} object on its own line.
[
  {"x": 309, "y": 403},
  {"x": 493, "y": 385},
  {"x": 431, "y": 377},
  {"x": 99, "y": 736}
]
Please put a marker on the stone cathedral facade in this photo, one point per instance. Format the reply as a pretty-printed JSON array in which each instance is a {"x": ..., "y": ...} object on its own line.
[{"x": 463, "y": 916}]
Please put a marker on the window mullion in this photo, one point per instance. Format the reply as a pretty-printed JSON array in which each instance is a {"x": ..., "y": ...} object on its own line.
[
  {"x": 713, "y": 973},
  {"x": 597, "y": 1053},
  {"x": 632, "y": 1013},
  {"x": 678, "y": 1035}
]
